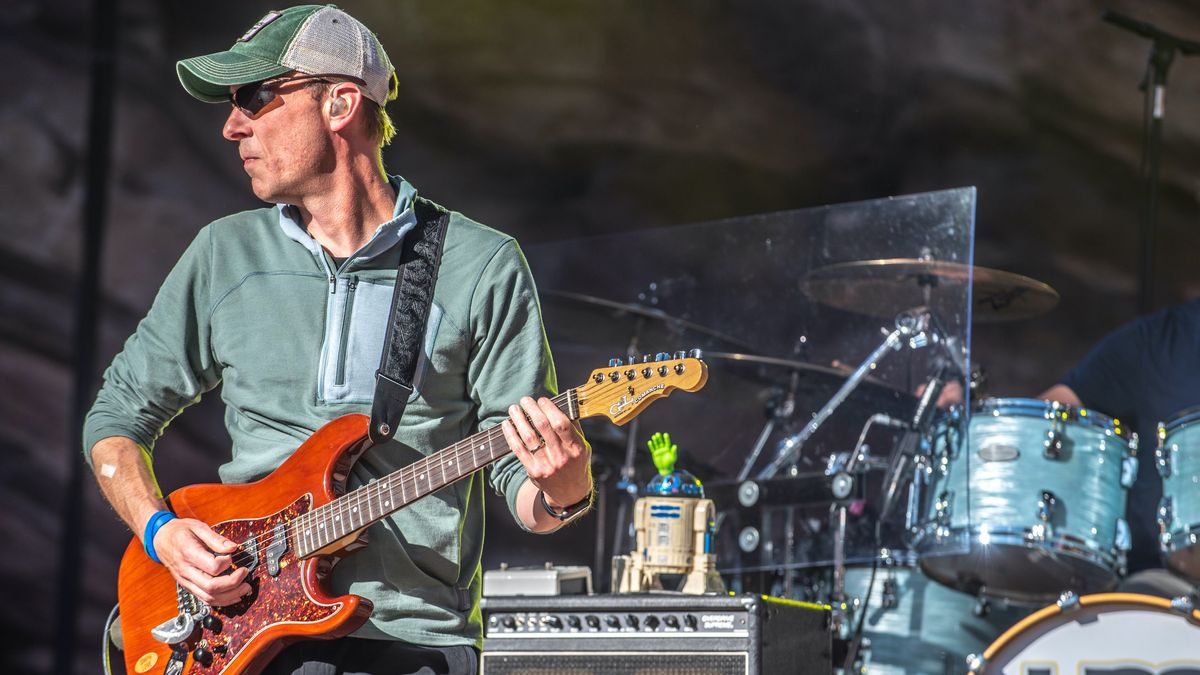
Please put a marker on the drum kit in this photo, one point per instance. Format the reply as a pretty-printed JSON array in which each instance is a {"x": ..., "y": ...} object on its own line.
[{"x": 987, "y": 538}]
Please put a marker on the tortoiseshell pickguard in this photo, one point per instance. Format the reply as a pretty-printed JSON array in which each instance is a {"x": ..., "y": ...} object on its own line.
[{"x": 275, "y": 600}]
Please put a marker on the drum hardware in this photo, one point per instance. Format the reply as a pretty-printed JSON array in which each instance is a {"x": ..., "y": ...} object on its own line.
[
  {"x": 782, "y": 411},
  {"x": 1045, "y": 513},
  {"x": 1054, "y": 439},
  {"x": 912, "y": 328},
  {"x": 1107, "y": 632}
]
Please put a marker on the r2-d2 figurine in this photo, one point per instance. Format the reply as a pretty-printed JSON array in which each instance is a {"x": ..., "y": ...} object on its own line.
[{"x": 674, "y": 525}]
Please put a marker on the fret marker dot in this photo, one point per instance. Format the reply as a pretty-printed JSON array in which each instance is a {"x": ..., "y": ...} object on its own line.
[
  {"x": 354, "y": 510},
  {"x": 388, "y": 503}
]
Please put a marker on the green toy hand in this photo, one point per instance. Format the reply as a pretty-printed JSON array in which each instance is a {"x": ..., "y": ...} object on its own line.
[{"x": 663, "y": 452}]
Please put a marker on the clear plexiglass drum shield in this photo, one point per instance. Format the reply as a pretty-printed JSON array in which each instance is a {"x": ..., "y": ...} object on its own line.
[{"x": 785, "y": 307}]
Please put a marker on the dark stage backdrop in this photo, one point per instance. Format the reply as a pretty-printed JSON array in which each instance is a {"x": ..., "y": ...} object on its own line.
[{"x": 554, "y": 120}]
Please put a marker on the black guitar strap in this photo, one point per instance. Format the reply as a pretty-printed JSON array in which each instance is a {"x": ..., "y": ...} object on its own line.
[{"x": 413, "y": 296}]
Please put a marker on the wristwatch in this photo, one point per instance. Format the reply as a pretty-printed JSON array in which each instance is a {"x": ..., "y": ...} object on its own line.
[{"x": 571, "y": 511}]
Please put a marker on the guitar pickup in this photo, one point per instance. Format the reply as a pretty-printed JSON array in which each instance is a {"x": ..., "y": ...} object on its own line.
[{"x": 276, "y": 549}]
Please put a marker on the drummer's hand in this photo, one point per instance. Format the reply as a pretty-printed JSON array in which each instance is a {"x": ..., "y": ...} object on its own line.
[
  {"x": 202, "y": 561},
  {"x": 952, "y": 394}
]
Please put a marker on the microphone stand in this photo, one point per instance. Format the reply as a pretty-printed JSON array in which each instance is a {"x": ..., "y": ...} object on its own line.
[{"x": 1163, "y": 47}]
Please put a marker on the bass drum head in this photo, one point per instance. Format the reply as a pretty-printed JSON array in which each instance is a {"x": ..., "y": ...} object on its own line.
[
  {"x": 1103, "y": 633},
  {"x": 925, "y": 628}
]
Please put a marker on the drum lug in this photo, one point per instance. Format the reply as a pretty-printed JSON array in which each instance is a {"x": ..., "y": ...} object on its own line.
[
  {"x": 1166, "y": 515},
  {"x": 1162, "y": 455},
  {"x": 1067, "y": 601},
  {"x": 976, "y": 663},
  {"x": 1184, "y": 605},
  {"x": 1129, "y": 471},
  {"x": 1046, "y": 507},
  {"x": 1122, "y": 540},
  {"x": 1054, "y": 440},
  {"x": 889, "y": 594},
  {"x": 942, "y": 508},
  {"x": 983, "y": 607}
]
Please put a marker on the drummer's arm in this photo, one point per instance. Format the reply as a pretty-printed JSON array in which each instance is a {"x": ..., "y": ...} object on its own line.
[{"x": 1063, "y": 394}]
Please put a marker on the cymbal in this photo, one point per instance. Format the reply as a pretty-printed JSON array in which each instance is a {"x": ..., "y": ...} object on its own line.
[
  {"x": 587, "y": 319},
  {"x": 888, "y": 286}
]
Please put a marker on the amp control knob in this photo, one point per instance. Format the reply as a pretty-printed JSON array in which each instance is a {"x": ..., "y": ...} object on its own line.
[
  {"x": 553, "y": 621},
  {"x": 672, "y": 621},
  {"x": 689, "y": 620},
  {"x": 592, "y": 621},
  {"x": 573, "y": 622},
  {"x": 613, "y": 621},
  {"x": 651, "y": 622},
  {"x": 631, "y": 620},
  {"x": 509, "y": 622}
]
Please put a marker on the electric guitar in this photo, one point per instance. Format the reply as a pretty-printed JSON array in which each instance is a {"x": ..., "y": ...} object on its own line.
[{"x": 295, "y": 524}]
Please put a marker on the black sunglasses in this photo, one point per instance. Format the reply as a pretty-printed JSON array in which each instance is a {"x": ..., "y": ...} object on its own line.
[{"x": 252, "y": 98}]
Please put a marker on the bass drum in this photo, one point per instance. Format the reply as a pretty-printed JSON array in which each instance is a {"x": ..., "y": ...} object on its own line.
[
  {"x": 1103, "y": 633},
  {"x": 917, "y": 626}
]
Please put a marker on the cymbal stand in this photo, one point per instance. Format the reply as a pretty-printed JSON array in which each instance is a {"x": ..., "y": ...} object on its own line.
[
  {"x": 782, "y": 411},
  {"x": 911, "y": 327},
  {"x": 626, "y": 483}
]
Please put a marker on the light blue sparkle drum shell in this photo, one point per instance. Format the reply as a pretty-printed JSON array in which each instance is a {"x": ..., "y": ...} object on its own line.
[
  {"x": 1178, "y": 459},
  {"x": 929, "y": 629},
  {"x": 987, "y": 526}
]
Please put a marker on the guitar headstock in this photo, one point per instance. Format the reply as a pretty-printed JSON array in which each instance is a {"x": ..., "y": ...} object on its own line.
[{"x": 621, "y": 392}]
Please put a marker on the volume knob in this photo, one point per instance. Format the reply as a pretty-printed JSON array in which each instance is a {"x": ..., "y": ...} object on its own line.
[{"x": 202, "y": 656}]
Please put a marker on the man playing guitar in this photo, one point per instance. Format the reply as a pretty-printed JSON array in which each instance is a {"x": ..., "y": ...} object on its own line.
[{"x": 286, "y": 307}]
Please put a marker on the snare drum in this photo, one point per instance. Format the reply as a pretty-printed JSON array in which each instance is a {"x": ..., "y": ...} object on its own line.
[
  {"x": 1105, "y": 633},
  {"x": 1029, "y": 503},
  {"x": 916, "y": 626},
  {"x": 1178, "y": 458}
]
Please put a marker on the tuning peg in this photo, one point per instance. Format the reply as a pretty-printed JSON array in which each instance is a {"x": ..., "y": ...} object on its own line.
[
  {"x": 661, "y": 356},
  {"x": 613, "y": 363},
  {"x": 645, "y": 358},
  {"x": 696, "y": 353},
  {"x": 681, "y": 354}
]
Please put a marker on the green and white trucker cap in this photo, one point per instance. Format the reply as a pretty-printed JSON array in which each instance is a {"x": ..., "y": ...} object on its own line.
[{"x": 311, "y": 39}]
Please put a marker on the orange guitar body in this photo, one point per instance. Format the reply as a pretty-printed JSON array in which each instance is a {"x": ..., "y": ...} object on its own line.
[{"x": 290, "y": 600}]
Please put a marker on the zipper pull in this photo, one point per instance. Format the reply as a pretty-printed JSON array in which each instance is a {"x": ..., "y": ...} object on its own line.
[{"x": 332, "y": 284}]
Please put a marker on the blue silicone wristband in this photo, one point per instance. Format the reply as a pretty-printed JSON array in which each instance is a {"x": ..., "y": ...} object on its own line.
[{"x": 156, "y": 521}]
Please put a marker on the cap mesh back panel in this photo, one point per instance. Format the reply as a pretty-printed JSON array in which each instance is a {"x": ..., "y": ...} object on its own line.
[{"x": 328, "y": 42}]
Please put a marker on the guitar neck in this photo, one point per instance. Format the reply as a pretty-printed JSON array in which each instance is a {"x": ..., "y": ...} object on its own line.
[{"x": 380, "y": 498}]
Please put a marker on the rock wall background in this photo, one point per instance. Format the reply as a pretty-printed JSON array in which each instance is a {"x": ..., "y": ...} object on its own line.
[{"x": 555, "y": 120}]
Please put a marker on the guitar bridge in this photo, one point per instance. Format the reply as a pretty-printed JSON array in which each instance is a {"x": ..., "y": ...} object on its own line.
[{"x": 175, "y": 631}]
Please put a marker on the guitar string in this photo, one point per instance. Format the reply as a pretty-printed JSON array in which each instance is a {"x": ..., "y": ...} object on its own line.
[
  {"x": 489, "y": 435},
  {"x": 398, "y": 479}
]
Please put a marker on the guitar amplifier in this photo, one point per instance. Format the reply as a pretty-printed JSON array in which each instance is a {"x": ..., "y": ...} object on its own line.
[{"x": 654, "y": 634}]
